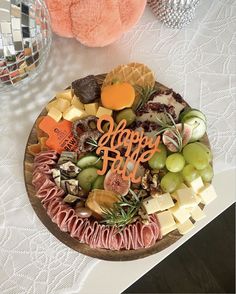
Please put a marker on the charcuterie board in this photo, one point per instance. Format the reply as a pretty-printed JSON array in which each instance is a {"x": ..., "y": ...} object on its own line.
[{"x": 75, "y": 244}]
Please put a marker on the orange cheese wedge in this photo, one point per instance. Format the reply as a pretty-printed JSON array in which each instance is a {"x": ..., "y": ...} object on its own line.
[{"x": 118, "y": 96}]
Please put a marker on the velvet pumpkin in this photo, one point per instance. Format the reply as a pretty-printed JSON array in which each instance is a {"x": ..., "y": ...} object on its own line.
[{"x": 95, "y": 23}]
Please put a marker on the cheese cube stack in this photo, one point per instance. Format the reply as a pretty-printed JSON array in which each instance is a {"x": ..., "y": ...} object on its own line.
[
  {"x": 180, "y": 213},
  {"x": 166, "y": 221},
  {"x": 185, "y": 227},
  {"x": 72, "y": 113},
  {"x": 186, "y": 198},
  {"x": 207, "y": 194}
]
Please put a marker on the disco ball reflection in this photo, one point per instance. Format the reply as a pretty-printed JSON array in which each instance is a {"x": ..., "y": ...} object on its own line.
[{"x": 25, "y": 39}]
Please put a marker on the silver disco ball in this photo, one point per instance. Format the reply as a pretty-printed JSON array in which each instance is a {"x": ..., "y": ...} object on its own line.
[{"x": 25, "y": 39}]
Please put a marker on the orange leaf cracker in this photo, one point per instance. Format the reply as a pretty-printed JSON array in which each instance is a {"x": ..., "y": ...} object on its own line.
[{"x": 60, "y": 134}]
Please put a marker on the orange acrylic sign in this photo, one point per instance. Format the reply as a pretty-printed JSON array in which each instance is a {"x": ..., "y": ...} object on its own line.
[
  {"x": 139, "y": 148},
  {"x": 60, "y": 134}
]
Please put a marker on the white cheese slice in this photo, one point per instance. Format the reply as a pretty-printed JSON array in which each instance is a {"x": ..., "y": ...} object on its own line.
[
  {"x": 151, "y": 205},
  {"x": 165, "y": 201},
  {"x": 186, "y": 198},
  {"x": 180, "y": 214},
  {"x": 166, "y": 222},
  {"x": 197, "y": 213},
  {"x": 185, "y": 227},
  {"x": 196, "y": 184},
  {"x": 207, "y": 194}
]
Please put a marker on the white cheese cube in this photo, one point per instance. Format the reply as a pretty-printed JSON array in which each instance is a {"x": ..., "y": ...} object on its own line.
[
  {"x": 91, "y": 108},
  {"x": 102, "y": 111},
  {"x": 165, "y": 201},
  {"x": 198, "y": 199},
  {"x": 77, "y": 103},
  {"x": 167, "y": 230},
  {"x": 66, "y": 94},
  {"x": 207, "y": 194},
  {"x": 197, "y": 213},
  {"x": 73, "y": 113},
  {"x": 180, "y": 214},
  {"x": 186, "y": 198},
  {"x": 181, "y": 186},
  {"x": 151, "y": 205},
  {"x": 55, "y": 114},
  {"x": 166, "y": 222},
  {"x": 185, "y": 227},
  {"x": 62, "y": 104},
  {"x": 196, "y": 184}
]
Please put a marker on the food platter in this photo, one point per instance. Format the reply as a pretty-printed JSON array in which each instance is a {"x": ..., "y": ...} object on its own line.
[{"x": 64, "y": 237}]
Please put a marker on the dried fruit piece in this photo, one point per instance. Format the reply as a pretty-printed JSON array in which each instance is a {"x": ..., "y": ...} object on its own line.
[
  {"x": 98, "y": 200},
  {"x": 115, "y": 183},
  {"x": 118, "y": 96}
]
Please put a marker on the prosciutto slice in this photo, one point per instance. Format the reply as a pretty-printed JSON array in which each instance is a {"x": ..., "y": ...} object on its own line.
[{"x": 134, "y": 236}]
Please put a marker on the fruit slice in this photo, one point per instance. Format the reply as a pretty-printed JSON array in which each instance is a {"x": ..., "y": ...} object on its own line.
[
  {"x": 118, "y": 96},
  {"x": 98, "y": 200},
  {"x": 115, "y": 183},
  {"x": 196, "y": 155},
  {"x": 89, "y": 160},
  {"x": 198, "y": 127},
  {"x": 192, "y": 113},
  {"x": 86, "y": 178},
  {"x": 168, "y": 136},
  {"x": 99, "y": 183}
]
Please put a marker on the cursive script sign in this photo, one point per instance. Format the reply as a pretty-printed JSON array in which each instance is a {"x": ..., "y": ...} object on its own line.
[{"x": 138, "y": 148}]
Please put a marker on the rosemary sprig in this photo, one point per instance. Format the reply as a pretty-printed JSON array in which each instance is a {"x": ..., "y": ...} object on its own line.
[
  {"x": 122, "y": 212},
  {"x": 92, "y": 142},
  {"x": 177, "y": 135},
  {"x": 144, "y": 95}
]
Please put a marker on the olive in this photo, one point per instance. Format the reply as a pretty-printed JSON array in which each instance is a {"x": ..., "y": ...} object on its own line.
[
  {"x": 83, "y": 212},
  {"x": 127, "y": 114}
]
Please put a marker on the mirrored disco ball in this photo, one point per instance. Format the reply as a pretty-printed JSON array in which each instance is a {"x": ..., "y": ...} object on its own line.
[{"x": 25, "y": 39}]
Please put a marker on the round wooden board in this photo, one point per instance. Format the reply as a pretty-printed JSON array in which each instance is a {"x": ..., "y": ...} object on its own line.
[{"x": 73, "y": 243}]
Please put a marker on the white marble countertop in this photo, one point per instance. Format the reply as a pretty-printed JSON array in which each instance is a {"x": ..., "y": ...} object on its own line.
[{"x": 199, "y": 62}]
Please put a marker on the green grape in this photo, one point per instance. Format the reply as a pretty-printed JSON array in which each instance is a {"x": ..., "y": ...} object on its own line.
[
  {"x": 175, "y": 162},
  {"x": 158, "y": 160},
  {"x": 190, "y": 173},
  {"x": 206, "y": 149},
  {"x": 207, "y": 173},
  {"x": 196, "y": 155},
  {"x": 170, "y": 182}
]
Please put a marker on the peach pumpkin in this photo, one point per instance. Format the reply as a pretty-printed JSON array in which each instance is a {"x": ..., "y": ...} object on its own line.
[{"x": 95, "y": 23}]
